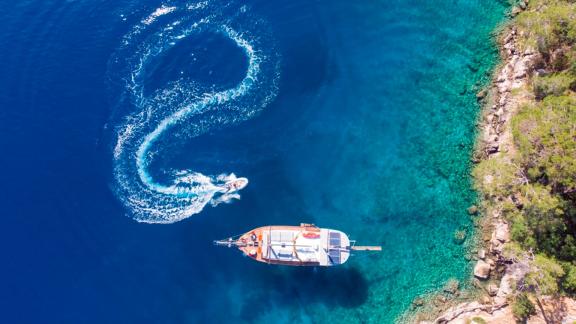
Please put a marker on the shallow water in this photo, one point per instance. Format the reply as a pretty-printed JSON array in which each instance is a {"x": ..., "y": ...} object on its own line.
[{"x": 361, "y": 119}]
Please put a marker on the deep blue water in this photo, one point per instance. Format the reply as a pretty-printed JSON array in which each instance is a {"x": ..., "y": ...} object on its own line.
[{"x": 361, "y": 118}]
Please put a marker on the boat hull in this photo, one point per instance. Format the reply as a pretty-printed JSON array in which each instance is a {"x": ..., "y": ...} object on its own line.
[{"x": 304, "y": 245}]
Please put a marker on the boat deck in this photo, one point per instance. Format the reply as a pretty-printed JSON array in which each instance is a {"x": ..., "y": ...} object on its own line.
[{"x": 296, "y": 245}]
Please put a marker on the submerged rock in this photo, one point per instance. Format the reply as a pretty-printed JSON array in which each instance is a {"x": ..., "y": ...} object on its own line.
[
  {"x": 452, "y": 286},
  {"x": 459, "y": 236},
  {"x": 481, "y": 95},
  {"x": 473, "y": 210},
  {"x": 417, "y": 302},
  {"x": 482, "y": 270}
]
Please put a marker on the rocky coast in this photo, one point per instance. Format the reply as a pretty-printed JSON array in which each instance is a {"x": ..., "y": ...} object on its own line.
[{"x": 496, "y": 273}]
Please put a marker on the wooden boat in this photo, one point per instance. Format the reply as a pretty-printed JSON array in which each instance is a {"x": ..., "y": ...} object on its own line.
[{"x": 304, "y": 245}]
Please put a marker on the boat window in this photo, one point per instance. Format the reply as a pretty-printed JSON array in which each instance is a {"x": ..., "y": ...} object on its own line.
[
  {"x": 334, "y": 255},
  {"x": 334, "y": 239}
]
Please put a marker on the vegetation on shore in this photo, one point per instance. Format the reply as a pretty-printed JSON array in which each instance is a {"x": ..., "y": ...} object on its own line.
[{"x": 534, "y": 185}]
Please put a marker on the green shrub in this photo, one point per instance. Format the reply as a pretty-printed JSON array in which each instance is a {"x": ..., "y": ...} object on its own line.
[
  {"x": 555, "y": 85},
  {"x": 544, "y": 134},
  {"x": 478, "y": 320},
  {"x": 521, "y": 232},
  {"x": 513, "y": 251},
  {"x": 549, "y": 25},
  {"x": 568, "y": 249},
  {"x": 544, "y": 275},
  {"x": 572, "y": 65},
  {"x": 494, "y": 177},
  {"x": 569, "y": 281},
  {"x": 544, "y": 215},
  {"x": 522, "y": 307}
]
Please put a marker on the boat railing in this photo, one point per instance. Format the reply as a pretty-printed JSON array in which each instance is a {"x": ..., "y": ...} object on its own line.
[
  {"x": 231, "y": 241},
  {"x": 354, "y": 247}
]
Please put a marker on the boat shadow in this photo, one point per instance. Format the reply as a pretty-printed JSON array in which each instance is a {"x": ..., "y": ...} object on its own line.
[{"x": 333, "y": 287}]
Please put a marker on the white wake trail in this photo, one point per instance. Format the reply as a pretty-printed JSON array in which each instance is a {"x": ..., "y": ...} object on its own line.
[{"x": 148, "y": 199}]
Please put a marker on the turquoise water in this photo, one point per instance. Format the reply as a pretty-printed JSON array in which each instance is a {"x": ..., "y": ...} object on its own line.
[
  {"x": 396, "y": 171},
  {"x": 357, "y": 116}
]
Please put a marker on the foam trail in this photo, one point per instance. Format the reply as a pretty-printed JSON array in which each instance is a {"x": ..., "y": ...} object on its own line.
[
  {"x": 157, "y": 13},
  {"x": 219, "y": 98},
  {"x": 148, "y": 199}
]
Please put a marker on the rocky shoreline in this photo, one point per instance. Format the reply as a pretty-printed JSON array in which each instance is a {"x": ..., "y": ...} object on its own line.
[
  {"x": 501, "y": 101},
  {"x": 494, "y": 274}
]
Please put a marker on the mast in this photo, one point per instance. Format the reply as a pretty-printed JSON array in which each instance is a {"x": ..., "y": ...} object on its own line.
[{"x": 366, "y": 248}]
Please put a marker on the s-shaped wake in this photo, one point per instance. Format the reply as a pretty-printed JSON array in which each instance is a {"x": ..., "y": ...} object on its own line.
[{"x": 183, "y": 109}]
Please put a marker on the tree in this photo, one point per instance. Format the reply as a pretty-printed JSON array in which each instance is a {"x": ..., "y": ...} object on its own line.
[
  {"x": 522, "y": 307},
  {"x": 544, "y": 275},
  {"x": 544, "y": 213},
  {"x": 544, "y": 134}
]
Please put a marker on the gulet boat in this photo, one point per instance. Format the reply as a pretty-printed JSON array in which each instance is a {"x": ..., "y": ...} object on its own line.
[{"x": 304, "y": 245}]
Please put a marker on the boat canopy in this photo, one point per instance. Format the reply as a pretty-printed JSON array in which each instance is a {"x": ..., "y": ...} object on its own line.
[{"x": 324, "y": 247}]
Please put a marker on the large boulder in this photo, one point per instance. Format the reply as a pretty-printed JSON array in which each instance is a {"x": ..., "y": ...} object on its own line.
[
  {"x": 482, "y": 254},
  {"x": 501, "y": 232},
  {"x": 482, "y": 270}
]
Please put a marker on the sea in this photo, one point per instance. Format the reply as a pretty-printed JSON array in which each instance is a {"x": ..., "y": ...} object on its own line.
[{"x": 122, "y": 121}]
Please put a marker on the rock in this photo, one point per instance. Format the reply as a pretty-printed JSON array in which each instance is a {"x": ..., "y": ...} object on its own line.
[
  {"x": 440, "y": 300},
  {"x": 496, "y": 247},
  {"x": 507, "y": 39},
  {"x": 473, "y": 210},
  {"x": 541, "y": 72},
  {"x": 520, "y": 71},
  {"x": 522, "y": 5},
  {"x": 485, "y": 300},
  {"x": 417, "y": 302},
  {"x": 477, "y": 283},
  {"x": 489, "y": 118},
  {"x": 505, "y": 288},
  {"x": 492, "y": 289},
  {"x": 492, "y": 148},
  {"x": 472, "y": 67},
  {"x": 516, "y": 11},
  {"x": 501, "y": 232},
  {"x": 451, "y": 286},
  {"x": 459, "y": 236},
  {"x": 499, "y": 112},
  {"x": 486, "y": 236},
  {"x": 481, "y": 95},
  {"x": 482, "y": 270},
  {"x": 482, "y": 254}
]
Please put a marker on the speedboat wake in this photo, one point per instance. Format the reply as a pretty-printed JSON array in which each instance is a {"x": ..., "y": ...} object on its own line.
[{"x": 183, "y": 109}]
